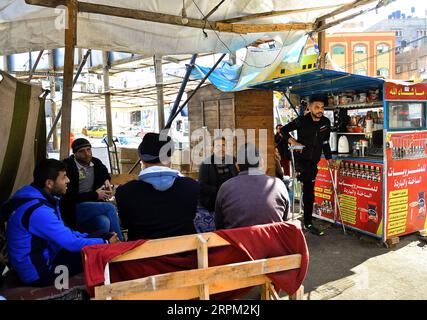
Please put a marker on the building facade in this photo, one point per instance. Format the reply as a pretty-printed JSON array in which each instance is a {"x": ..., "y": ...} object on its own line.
[
  {"x": 410, "y": 45},
  {"x": 367, "y": 53}
]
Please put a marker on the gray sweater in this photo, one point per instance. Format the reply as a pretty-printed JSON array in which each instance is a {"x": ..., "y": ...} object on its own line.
[{"x": 251, "y": 199}]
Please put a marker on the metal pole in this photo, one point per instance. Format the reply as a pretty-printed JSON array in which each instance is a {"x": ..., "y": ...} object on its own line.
[
  {"x": 159, "y": 85},
  {"x": 76, "y": 77},
  {"x": 181, "y": 90},
  {"x": 107, "y": 97},
  {"x": 55, "y": 144},
  {"x": 336, "y": 195},
  {"x": 36, "y": 63},
  {"x": 291, "y": 104},
  {"x": 198, "y": 86}
]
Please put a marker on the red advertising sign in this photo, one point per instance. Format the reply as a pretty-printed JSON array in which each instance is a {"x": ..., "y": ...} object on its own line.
[
  {"x": 359, "y": 187},
  {"x": 406, "y": 183},
  {"x": 323, "y": 191},
  {"x": 394, "y": 91}
]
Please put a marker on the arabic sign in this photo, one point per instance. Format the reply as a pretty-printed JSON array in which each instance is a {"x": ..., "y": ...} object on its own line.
[
  {"x": 323, "y": 191},
  {"x": 406, "y": 188},
  {"x": 395, "y": 91},
  {"x": 361, "y": 200}
]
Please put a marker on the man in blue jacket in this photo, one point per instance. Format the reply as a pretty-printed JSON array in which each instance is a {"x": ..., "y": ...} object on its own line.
[{"x": 37, "y": 239}]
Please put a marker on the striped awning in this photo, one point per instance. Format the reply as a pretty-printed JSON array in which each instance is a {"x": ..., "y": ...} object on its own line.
[{"x": 22, "y": 133}]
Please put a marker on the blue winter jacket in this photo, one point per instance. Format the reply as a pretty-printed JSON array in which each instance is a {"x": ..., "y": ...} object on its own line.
[{"x": 36, "y": 232}]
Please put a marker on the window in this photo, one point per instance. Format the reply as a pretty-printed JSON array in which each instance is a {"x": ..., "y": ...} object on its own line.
[
  {"x": 382, "y": 48},
  {"x": 360, "y": 48},
  {"x": 311, "y": 50},
  {"x": 413, "y": 65},
  {"x": 338, "y": 50},
  {"x": 361, "y": 72},
  {"x": 405, "y": 115},
  {"x": 421, "y": 33},
  {"x": 398, "y": 69},
  {"x": 383, "y": 72},
  {"x": 398, "y": 33}
]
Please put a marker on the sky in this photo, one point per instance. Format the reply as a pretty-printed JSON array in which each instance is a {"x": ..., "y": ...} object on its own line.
[{"x": 372, "y": 17}]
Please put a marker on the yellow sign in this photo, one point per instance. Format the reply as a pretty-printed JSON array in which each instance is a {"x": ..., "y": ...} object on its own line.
[
  {"x": 318, "y": 189},
  {"x": 398, "y": 208},
  {"x": 398, "y": 193},
  {"x": 323, "y": 196},
  {"x": 307, "y": 63},
  {"x": 398, "y": 216},
  {"x": 397, "y": 201},
  {"x": 393, "y": 232}
]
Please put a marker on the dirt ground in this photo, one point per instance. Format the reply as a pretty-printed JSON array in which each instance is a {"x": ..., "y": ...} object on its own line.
[{"x": 357, "y": 267}]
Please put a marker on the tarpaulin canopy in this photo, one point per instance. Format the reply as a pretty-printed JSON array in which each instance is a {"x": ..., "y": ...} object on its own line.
[
  {"x": 257, "y": 66},
  {"x": 25, "y": 27}
]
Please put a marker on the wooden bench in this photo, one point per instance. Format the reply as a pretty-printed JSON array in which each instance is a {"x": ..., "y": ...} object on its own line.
[{"x": 196, "y": 283}]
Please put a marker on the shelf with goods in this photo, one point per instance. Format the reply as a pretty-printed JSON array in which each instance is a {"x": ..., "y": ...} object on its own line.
[{"x": 369, "y": 105}]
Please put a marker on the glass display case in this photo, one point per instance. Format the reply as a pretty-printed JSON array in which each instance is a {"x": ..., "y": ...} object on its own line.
[{"x": 407, "y": 115}]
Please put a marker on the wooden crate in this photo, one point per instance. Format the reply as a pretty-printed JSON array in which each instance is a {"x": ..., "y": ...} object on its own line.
[{"x": 249, "y": 109}]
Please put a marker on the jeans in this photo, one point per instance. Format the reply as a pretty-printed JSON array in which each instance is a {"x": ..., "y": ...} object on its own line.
[
  {"x": 71, "y": 260},
  {"x": 98, "y": 217},
  {"x": 308, "y": 173}
]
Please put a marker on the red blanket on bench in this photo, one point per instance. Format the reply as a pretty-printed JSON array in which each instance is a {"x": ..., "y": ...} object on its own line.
[{"x": 248, "y": 243}]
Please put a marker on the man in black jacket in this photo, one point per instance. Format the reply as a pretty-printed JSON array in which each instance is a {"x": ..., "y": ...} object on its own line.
[
  {"x": 213, "y": 172},
  {"x": 84, "y": 206},
  {"x": 313, "y": 131},
  {"x": 162, "y": 202}
]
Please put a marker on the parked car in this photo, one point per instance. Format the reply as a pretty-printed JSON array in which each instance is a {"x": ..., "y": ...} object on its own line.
[
  {"x": 130, "y": 131},
  {"x": 96, "y": 132}
]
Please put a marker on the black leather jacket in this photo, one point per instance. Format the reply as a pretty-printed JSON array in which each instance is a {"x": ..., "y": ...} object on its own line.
[{"x": 314, "y": 135}]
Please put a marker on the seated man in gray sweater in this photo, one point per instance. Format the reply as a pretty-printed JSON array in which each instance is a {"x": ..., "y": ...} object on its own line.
[{"x": 252, "y": 197}]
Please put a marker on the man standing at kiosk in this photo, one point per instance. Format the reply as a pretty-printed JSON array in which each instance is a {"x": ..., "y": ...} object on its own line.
[{"x": 313, "y": 131}]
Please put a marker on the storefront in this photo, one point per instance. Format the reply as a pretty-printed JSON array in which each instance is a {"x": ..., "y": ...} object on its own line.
[{"x": 379, "y": 141}]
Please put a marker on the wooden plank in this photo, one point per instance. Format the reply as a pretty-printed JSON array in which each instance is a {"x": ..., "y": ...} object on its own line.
[
  {"x": 160, "y": 247},
  {"x": 192, "y": 292},
  {"x": 265, "y": 294},
  {"x": 321, "y": 36},
  {"x": 118, "y": 179},
  {"x": 273, "y": 292},
  {"x": 173, "y": 19},
  {"x": 274, "y": 14},
  {"x": 67, "y": 93},
  {"x": 298, "y": 295},
  {"x": 202, "y": 263},
  {"x": 203, "y": 276},
  {"x": 344, "y": 8},
  {"x": 255, "y": 28}
]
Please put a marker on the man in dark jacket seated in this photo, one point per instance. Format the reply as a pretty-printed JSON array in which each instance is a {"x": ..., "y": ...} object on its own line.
[
  {"x": 84, "y": 205},
  {"x": 37, "y": 239},
  {"x": 161, "y": 203}
]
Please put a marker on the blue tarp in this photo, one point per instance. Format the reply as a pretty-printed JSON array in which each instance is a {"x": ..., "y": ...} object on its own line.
[{"x": 228, "y": 77}]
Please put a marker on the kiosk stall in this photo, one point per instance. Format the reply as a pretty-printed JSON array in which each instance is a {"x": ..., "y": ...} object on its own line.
[{"x": 379, "y": 141}]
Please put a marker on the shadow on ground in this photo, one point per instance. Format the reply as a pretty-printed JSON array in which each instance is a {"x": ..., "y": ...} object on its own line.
[{"x": 335, "y": 256}]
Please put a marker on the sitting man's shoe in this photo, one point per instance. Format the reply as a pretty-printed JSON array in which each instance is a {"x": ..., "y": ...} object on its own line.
[{"x": 313, "y": 230}]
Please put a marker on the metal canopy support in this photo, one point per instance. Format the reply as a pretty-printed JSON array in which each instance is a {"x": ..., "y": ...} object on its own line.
[
  {"x": 55, "y": 145},
  {"x": 159, "y": 84},
  {"x": 198, "y": 86},
  {"x": 76, "y": 77},
  {"x": 36, "y": 63},
  {"x": 290, "y": 103},
  {"x": 107, "y": 96},
  {"x": 181, "y": 90},
  {"x": 67, "y": 93}
]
